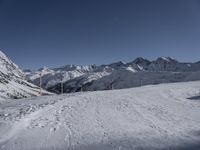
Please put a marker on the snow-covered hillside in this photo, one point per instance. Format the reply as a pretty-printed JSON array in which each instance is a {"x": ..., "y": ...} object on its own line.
[
  {"x": 118, "y": 74},
  {"x": 12, "y": 81},
  {"x": 51, "y": 77},
  {"x": 151, "y": 117}
]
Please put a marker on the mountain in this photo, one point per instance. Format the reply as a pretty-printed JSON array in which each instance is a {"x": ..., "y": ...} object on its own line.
[
  {"x": 140, "y": 63},
  {"x": 115, "y": 75},
  {"x": 12, "y": 81},
  {"x": 51, "y": 77},
  {"x": 161, "y": 117}
]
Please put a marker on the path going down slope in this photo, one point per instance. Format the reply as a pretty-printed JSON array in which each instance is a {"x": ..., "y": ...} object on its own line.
[{"x": 150, "y": 117}]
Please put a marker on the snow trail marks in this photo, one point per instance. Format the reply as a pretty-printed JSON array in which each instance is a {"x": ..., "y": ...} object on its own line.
[{"x": 151, "y": 117}]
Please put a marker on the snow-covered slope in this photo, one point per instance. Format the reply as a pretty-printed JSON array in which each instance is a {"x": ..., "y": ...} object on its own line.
[
  {"x": 159, "y": 117},
  {"x": 12, "y": 81},
  {"x": 128, "y": 79},
  {"x": 7, "y": 67}
]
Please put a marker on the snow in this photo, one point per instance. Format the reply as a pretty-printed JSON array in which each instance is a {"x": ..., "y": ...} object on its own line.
[
  {"x": 95, "y": 76},
  {"x": 132, "y": 72},
  {"x": 168, "y": 59},
  {"x": 129, "y": 68},
  {"x": 43, "y": 71},
  {"x": 140, "y": 67},
  {"x": 16, "y": 90},
  {"x": 165, "y": 58},
  {"x": 8, "y": 67},
  {"x": 149, "y": 117},
  {"x": 52, "y": 77},
  {"x": 12, "y": 82}
]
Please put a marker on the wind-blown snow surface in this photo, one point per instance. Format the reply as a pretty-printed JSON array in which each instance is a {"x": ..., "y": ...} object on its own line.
[{"x": 149, "y": 117}]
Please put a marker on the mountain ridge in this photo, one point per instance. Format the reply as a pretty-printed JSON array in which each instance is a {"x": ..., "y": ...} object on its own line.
[
  {"x": 12, "y": 81},
  {"x": 74, "y": 77}
]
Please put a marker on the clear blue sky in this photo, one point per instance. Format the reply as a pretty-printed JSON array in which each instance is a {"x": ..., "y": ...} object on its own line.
[{"x": 36, "y": 33}]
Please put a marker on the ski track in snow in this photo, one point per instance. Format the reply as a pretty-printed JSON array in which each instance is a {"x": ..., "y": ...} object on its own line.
[{"x": 149, "y": 117}]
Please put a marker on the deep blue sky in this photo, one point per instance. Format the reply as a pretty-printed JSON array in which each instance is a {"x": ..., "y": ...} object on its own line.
[{"x": 36, "y": 33}]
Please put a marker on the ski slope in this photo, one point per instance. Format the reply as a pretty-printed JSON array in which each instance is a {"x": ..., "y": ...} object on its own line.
[{"x": 144, "y": 118}]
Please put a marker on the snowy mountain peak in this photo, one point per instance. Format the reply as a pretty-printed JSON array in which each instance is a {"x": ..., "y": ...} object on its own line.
[
  {"x": 84, "y": 68},
  {"x": 8, "y": 67},
  {"x": 166, "y": 59},
  {"x": 94, "y": 77},
  {"x": 12, "y": 80},
  {"x": 73, "y": 67},
  {"x": 117, "y": 64},
  {"x": 140, "y": 60},
  {"x": 2, "y": 55},
  {"x": 44, "y": 69}
]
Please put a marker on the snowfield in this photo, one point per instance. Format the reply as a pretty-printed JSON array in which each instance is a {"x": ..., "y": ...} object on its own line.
[{"x": 151, "y": 117}]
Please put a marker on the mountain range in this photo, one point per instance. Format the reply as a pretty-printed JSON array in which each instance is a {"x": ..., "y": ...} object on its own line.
[
  {"x": 116, "y": 75},
  {"x": 18, "y": 83}
]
